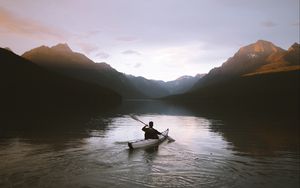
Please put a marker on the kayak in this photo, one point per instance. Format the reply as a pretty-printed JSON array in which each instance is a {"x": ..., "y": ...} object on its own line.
[{"x": 148, "y": 142}]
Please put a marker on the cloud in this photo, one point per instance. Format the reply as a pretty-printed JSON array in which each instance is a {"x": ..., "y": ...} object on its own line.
[
  {"x": 102, "y": 55},
  {"x": 296, "y": 24},
  {"x": 87, "y": 47},
  {"x": 137, "y": 65},
  {"x": 12, "y": 24},
  {"x": 131, "y": 52},
  {"x": 126, "y": 39},
  {"x": 87, "y": 35},
  {"x": 268, "y": 24}
]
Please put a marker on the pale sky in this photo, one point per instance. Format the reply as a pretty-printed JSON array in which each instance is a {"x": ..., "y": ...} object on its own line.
[{"x": 157, "y": 39}]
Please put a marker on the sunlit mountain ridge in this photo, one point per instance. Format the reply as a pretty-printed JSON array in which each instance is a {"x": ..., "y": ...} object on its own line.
[
  {"x": 257, "y": 58},
  {"x": 260, "y": 74}
]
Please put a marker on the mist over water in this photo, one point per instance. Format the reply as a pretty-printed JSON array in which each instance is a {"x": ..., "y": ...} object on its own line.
[{"x": 213, "y": 148}]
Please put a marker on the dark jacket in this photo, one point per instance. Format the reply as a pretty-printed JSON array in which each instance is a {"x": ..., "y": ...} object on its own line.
[{"x": 150, "y": 133}]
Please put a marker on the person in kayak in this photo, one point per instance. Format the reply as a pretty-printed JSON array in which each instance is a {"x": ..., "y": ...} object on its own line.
[{"x": 150, "y": 132}]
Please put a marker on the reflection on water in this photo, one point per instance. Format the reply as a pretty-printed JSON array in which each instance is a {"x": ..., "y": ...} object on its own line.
[{"x": 211, "y": 150}]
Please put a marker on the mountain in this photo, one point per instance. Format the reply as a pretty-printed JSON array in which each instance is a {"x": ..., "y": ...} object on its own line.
[
  {"x": 59, "y": 55},
  {"x": 281, "y": 61},
  {"x": 7, "y": 48},
  {"x": 293, "y": 54},
  {"x": 26, "y": 88},
  {"x": 151, "y": 88},
  {"x": 182, "y": 84},
  {"x": 257, "y": 58},
  {"x": 260, "y": 74},
  {"x": 249, "y": 58},
  {"x": 61, "y": 59},
  {"x": 158, "y": 88}
]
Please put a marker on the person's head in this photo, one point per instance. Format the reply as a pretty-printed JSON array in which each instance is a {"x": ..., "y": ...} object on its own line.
[{"x": 151, "y": 124}]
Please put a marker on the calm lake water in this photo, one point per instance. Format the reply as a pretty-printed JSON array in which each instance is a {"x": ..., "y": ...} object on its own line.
[{"x": 219, "y": 149}]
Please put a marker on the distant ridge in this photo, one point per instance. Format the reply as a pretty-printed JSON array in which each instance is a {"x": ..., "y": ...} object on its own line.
[{"x": 159, "y": 88}]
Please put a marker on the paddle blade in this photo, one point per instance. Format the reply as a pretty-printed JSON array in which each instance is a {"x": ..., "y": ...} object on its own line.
[
  {"x": 134, "y": 117},
  {"x": 171, "y": 139},
  {"x": 137, "y": 119}
]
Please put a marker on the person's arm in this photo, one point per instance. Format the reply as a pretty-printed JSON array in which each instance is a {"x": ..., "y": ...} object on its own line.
[
  {"x": 157, "y": 132},
  {"x": 144, "y": 128}
]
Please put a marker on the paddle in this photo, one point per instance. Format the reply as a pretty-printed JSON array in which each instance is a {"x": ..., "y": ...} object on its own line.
[{"x": 137, "y": 119}]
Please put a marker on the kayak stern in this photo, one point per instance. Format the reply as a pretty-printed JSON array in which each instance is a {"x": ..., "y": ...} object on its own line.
[
  {"x": 130, "y": 145},
  {"x": 149, "y": 142}
]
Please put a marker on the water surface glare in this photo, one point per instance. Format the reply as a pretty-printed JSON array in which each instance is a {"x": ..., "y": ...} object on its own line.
[{"x": 207, "y": 152}]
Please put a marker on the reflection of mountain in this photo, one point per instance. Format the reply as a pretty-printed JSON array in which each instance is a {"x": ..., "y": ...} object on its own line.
[
  {"x": 157, "y": 88},
  {"x": 258, "y": 74},
  {"x": 28, "y": 87},
  {"x": 150, "y": 107},
  {"x": 63, "y": 60},
  {"x": 258, "y": 132}
]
